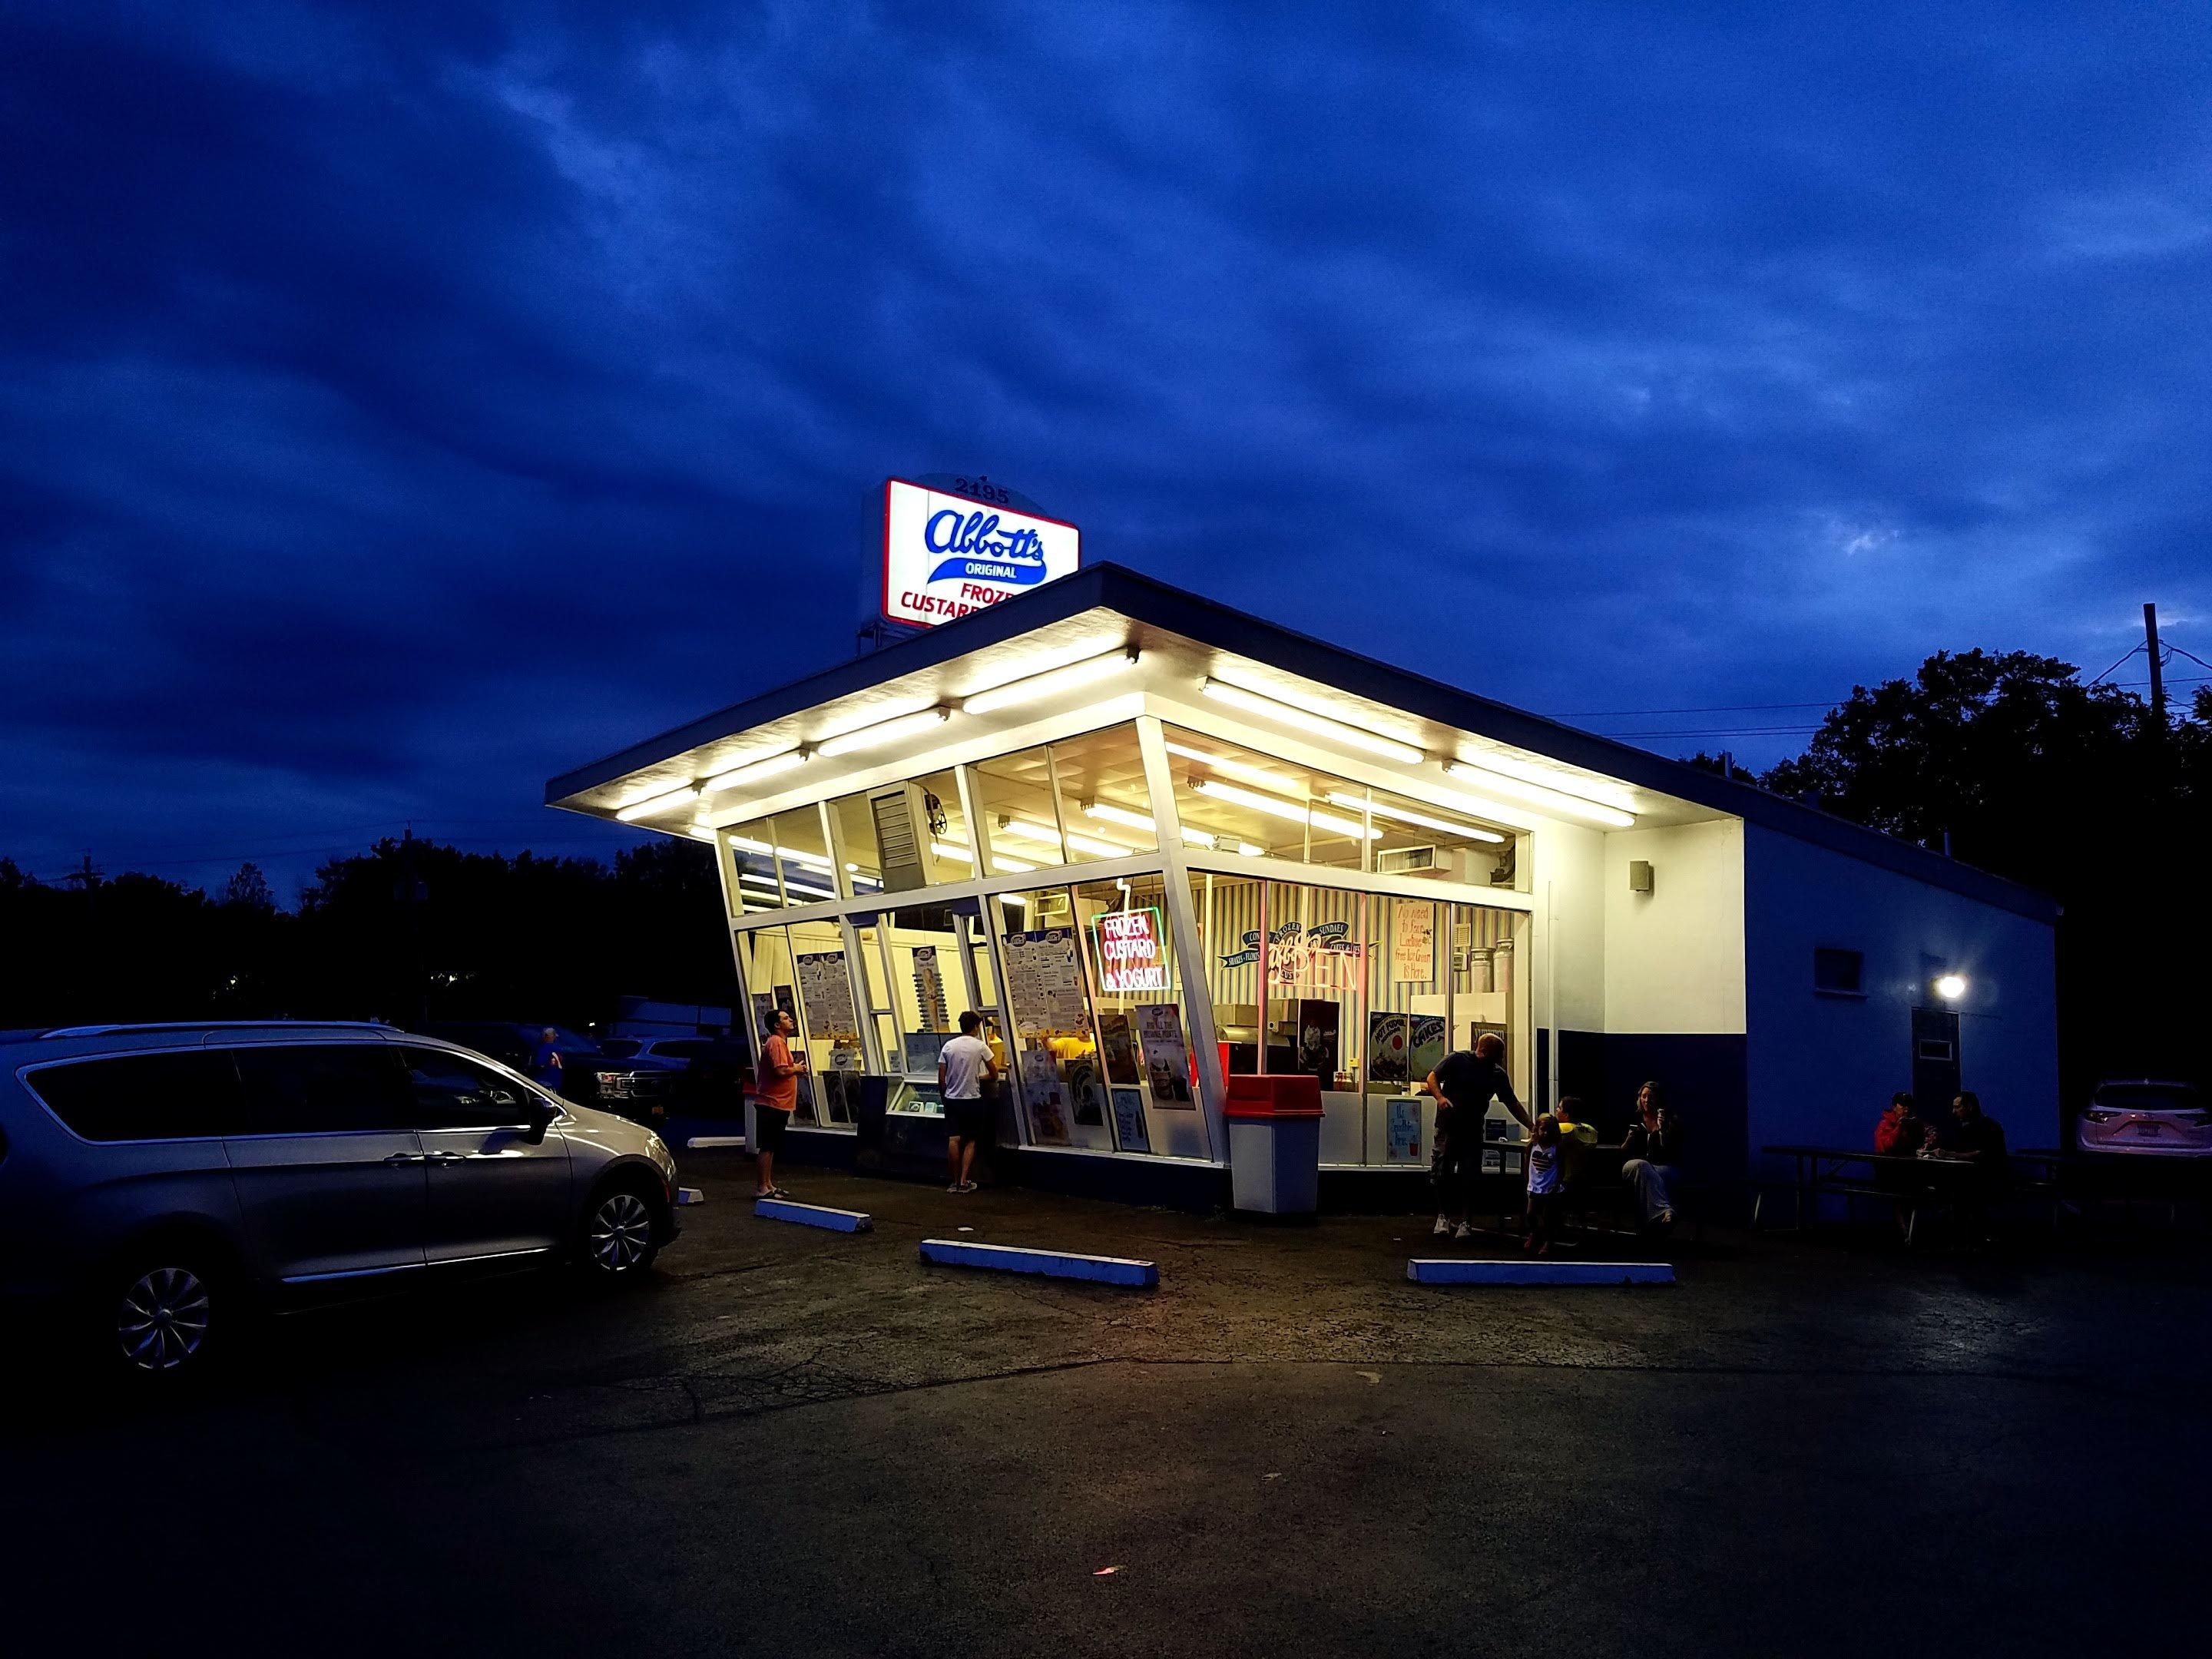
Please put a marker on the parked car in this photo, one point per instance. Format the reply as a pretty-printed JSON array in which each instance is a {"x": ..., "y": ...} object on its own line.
[
  {"x": 2145, "y": 1118},
  {"x": 640, "y": 1091},
  {"x": 165, "y": 1180},
  {"x": 712, "y": 1072}
]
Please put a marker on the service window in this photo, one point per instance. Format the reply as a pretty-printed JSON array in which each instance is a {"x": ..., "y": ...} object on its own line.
[
  {"x": 186, "y": 1096},
  {"x": 321, "y": 1087},
  {"x": 452, "y": 1093}
]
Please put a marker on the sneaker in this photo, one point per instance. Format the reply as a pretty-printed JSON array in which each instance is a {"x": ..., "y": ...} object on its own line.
[
  {"x": 1440, "y": 1228},
  {"x": 1462, "y": 1232},
  {"x": 965, "y": 1187}
]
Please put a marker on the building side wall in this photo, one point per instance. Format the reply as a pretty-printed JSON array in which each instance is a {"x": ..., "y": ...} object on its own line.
[
  {"x": 1673, "y": 956},
  {"x": 1821, "y": 1067}
]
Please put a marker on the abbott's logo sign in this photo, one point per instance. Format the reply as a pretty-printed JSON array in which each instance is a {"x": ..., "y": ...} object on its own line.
[{"x": 945, "y": 555}]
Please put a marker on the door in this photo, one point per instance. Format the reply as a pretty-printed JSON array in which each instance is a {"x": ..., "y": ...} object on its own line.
[
  {"x": 498, "y": 1183},
  {"x": 330, "y": 1176},
  {"x": 1935, "y": 1062}
]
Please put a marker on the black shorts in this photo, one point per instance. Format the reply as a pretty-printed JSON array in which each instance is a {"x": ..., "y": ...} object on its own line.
[
  {"x": 769, "y": 1125},
  {"x": 969, "y": 1120}
]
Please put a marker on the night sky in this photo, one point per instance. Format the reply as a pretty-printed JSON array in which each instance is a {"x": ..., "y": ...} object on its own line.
[{"x": 402, "y": 404}]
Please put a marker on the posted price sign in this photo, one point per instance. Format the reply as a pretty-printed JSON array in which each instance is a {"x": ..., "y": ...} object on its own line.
[
  {"x": 945, "y": 555},
  {"x": 1130, "y": 956}
]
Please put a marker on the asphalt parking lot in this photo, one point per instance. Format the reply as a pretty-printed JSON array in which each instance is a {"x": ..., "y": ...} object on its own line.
[{"x": 796, "y": 1442}]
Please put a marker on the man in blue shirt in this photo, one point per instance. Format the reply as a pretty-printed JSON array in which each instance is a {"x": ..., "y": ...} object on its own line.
[{"x": 545, "y": 1061}]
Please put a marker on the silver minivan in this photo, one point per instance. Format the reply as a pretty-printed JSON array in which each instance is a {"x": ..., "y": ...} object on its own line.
[{"x": 163, "y": 1180}]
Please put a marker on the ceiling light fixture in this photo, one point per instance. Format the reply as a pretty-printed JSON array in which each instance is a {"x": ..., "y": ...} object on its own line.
[
  {"x": 1106, "y": 813},
  {"x": 1051, "y": 682},
  {"x": 1543, "y": 795},
  {"x": 1603, "y": 791},
  {"x": 662, "y": 802},
  {"x": 792, "y": 852},
  {"x": 1283, "y": 809},
  {"x": 1236, "y": 768},
  {"x": 882, "y": 732},
  {"x": 1344, "y": 798},
  {"x": 754, "y": 771},
  {"x": 1305, "y": 719}
]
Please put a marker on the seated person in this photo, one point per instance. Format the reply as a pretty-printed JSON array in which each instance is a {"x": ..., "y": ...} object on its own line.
[
  {"x": 1978, "y": 1139},
  {"x": 1577, "y": 1138},
  {"x": 1654, "y": 1146},
  {"x": 1899, "y": 1132}
]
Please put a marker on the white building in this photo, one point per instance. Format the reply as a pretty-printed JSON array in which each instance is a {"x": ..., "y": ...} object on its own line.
[{"x": 1106, "y": 811}]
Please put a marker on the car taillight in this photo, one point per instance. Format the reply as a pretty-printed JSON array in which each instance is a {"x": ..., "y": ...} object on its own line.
[{"x": 2097, "y": 1115}]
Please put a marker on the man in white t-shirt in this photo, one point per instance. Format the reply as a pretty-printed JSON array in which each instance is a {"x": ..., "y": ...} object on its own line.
[{"x": 963, "y": 1067}]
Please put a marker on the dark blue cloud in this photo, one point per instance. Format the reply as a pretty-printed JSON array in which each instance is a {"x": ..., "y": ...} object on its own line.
[{"x": 400, "y": 404}]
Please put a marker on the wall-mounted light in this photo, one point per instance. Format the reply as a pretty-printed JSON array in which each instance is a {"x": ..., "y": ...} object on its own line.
[
  {"x": 882, "y": 732},
  {"x": 1050, "y": 683},
  {"x": 1950, "y": 987},
  {"x": 1283, "y": 714}
]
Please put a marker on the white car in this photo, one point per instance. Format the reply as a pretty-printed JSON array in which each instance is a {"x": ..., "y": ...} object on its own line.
[{"x": 2144, "y": 1117}]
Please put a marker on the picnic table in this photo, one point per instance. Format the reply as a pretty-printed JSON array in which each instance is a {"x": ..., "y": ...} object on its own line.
[{"x": 1856, "y": 1172}]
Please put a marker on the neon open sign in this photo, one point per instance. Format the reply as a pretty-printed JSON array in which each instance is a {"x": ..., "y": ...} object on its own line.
[{"x": 1131, "y": 956}]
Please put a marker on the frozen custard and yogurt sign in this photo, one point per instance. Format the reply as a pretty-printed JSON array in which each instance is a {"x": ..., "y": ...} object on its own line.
[{"x": 947, "y": 555}]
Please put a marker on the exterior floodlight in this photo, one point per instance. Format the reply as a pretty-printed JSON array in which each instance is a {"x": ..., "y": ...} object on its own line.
[
  {"x": 1354, "y": 737},
  {"x": 753, "y": 771},
  {"x": 1951, "y": 987},
  {"x": 890, "y": 731},
  {"x": 1049, "y": 683},
  {"x": 653, "y": 805},
  {"x": 1542, "y": 795}
]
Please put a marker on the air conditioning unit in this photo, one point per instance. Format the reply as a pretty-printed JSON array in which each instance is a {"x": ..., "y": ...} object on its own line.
[
  {"x": 1404, "y": 860},
  {"x": 903, "y": 818}
]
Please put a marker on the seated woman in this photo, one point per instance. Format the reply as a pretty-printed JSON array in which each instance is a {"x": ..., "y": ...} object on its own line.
[{"x": 1654, "y": 1146}]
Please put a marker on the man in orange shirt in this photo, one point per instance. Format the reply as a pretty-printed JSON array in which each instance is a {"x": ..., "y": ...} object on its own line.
[{"x": 775, "y": 1094}]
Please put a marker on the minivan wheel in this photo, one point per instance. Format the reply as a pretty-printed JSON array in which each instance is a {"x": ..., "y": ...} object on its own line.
[
  {"x": 618, "y": 1237},
  {"x": 160, "y": 1318}
]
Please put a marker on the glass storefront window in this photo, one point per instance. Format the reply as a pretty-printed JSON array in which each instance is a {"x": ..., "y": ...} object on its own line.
[
  {"x": 1107, "y": 808},
  {"x": 853, "y": 831},
  {"x": 928, "y": 989},
  {"x": 1021, "y": 824},
  {"x": 1143, "y": 1053},
  {"x": 1413, "y": 838},
  {"x": 803, "y": 970},
  {"x": 1236, "y": 800},
  {"x": 752, "y": 861}
]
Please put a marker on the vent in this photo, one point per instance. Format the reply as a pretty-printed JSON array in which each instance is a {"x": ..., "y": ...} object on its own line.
[
  {"x": 902, "y": 820},
  {"x": 1403, "y": 860}
]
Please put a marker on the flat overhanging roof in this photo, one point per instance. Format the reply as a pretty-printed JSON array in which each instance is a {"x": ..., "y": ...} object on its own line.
[{"x": 1185, "y": 637}]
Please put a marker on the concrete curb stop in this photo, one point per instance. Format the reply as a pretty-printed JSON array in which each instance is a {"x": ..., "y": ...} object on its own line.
[
  {"x": 1546, "y": 1272},
  {"x": 1051, "y": 1264},
  {"x": 705, "y": 1143},
  {"x": 813, "y": 1215}
]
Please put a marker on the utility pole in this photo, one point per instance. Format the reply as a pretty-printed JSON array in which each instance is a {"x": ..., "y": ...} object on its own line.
[{"x": 2157, "y": 669}]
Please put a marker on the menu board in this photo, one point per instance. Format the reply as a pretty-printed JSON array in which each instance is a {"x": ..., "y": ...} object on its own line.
[
  {"x": 1044, "y": 982},
  {"x": 1402, "y": 1132},
  {"x": 1047, "y": 1102},
  {"x": 1129, "y": 1128},
  {"x": 1167, "y": 1057},
  {"x": 929, "y": 990},
  {"x": 825, "y": 987},
  {"x": 1414, "y": 941}
]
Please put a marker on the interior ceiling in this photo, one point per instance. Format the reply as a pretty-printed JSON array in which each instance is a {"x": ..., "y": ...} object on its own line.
[{"x": 1171, "y": 664}]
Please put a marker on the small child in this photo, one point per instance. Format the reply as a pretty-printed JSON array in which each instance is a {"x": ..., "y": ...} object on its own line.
[{"x": 1546, "y": 1181}]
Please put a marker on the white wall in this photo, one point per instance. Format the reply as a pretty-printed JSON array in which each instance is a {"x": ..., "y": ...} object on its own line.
[
  {"x": 1673, "y": 956},
  {"x": 1572, "y": 859},
  {"x": 1821, "y": 1068}
]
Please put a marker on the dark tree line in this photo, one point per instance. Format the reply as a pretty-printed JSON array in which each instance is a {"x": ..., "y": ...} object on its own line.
[
  {"x": 2018, "y": 768},
  {"x": 408, "y": 929}
]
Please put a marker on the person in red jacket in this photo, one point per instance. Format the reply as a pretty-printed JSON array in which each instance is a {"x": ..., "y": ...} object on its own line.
[{"x": 1899, "y": 1132}]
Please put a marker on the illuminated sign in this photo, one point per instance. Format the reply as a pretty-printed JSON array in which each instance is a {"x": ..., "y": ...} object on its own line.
[
  {"x": 1131, "y": 956},
  {"x": 945, "y": 555}
]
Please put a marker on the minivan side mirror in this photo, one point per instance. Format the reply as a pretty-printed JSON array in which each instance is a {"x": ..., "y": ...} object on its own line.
[{"x": 544, "y": 1114}]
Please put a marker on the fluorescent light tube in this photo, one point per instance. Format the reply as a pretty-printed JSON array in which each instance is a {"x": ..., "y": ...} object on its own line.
[
  {"x": 753, "y": 771},
  {"x": 882, "y": 732},
  {"x": 1051, "y": 682},
  {"x": 1543, "y": 795},
  {"x": 1402, "y": 816},
  {"x": 1283, "y": 809},
  {"x": 1107, "y": 812},
  {"x": 654, "y": 805},
  {"x": 1603, "y": 791},
  {"x": 1306, "y": 720}
]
